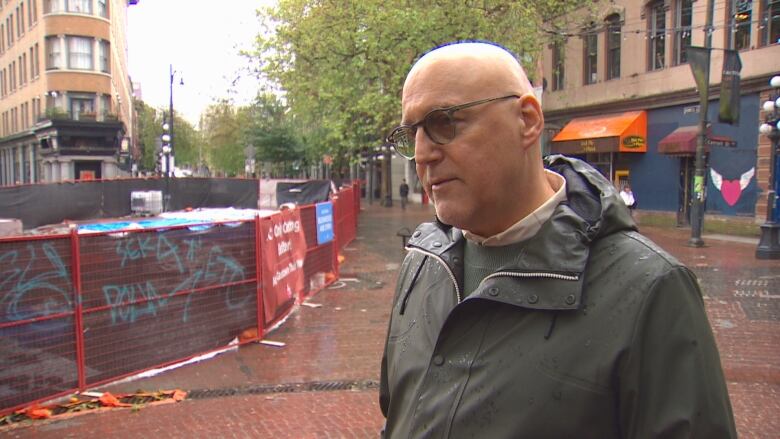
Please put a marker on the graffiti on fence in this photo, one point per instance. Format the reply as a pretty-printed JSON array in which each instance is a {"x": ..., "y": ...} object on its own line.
[
  {"x": 34, "y": 282},
  {"x": 140, "y": 247},
  {"x": 130, "y": 301}
]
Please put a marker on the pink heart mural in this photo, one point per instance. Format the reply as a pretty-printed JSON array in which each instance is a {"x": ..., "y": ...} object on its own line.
[{"x": 731, "y": 190}]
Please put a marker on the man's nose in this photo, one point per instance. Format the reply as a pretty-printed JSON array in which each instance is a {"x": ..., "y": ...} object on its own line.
[{"x": 425, "y": 149}]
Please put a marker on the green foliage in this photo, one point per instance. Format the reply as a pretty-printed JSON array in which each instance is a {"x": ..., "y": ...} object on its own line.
[
  {"x": 186, "y": 139},
  {"x": 342, "y": 63},
  {"x": 273, "y": 134},
  {"x": 221, "y": 127},
  {"x": 149, "y": 130},
  {"x": 187, "y": 143}
]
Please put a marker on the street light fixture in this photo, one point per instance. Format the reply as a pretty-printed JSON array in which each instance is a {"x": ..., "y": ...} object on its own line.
[
  {"x": 769, "y": 244},
  {"x": 170, "y": 112},
  {"x": 166, "y": 165}
]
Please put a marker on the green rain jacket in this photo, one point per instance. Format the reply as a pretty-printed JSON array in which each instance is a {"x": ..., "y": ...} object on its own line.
[{"x": 592, "y": 332}]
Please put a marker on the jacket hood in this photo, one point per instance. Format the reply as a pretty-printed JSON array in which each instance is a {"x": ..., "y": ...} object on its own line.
[{"x": 591, "y": 197}]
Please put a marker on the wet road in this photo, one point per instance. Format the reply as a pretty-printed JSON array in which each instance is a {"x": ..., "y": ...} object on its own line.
[{"x": 331, "y": 359}]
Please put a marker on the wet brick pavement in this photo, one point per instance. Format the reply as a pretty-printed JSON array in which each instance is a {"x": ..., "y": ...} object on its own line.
[{"x": 322, "y": 384}]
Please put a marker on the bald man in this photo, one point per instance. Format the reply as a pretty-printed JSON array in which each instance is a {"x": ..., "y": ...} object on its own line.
[{"x": 532, "y": 307}]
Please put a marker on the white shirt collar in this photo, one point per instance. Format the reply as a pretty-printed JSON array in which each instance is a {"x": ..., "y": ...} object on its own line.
[{"x": 530, "y": 225}]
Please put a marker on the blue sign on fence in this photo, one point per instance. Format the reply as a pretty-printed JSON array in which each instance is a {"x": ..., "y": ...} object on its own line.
[{"x": 324, "y": 222}]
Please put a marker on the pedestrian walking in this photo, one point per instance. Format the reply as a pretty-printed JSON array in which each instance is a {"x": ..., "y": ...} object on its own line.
[
  {"x": 403, "y": 189},
  {"x": 532, "y": 307}
]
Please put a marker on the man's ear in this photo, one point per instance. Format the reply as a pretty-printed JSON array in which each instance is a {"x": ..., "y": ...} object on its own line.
[{"x": 533, "y": 119}]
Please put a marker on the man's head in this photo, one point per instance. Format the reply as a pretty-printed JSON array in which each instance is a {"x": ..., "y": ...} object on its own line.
[{"x": 486, "y": 173}]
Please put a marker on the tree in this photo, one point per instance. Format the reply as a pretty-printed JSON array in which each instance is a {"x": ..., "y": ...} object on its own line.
[
  {"x": 149, "y": 131},
  {"x": 342, "y": 64},
  {"x": 221, "y": 128},
  {"x": 187, "y": 140},
  {"x": 188, "y": 143},
  {"x": 273, "y": 134}
]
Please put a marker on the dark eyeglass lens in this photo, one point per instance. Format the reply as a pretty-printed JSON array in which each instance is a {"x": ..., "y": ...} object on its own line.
[{"x": 439, "y": 127}]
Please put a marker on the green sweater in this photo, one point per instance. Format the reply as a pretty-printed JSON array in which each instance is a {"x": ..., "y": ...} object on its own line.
[{"x": 480, "y": 261}]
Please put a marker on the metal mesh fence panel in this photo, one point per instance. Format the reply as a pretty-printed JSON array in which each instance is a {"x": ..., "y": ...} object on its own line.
[
  {"x": 157, "y": 296},
  {"x": 151, "y": 297},
  {"x": 346, "y": 218},
  {"x": 37, "y": 330}
]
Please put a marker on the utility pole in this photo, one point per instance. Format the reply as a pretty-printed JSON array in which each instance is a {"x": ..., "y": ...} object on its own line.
[{"x": 697, "y": 211}]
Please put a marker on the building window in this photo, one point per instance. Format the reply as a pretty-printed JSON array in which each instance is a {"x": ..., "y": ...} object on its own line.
[
  {"x": 656, "y": 40},
  {"x": 683, "y": 20},
  {"x": 53, "y": 53},
  {"x": 590, "y": 58},
  {"x": 50, "y": 6},
  {"x": 104, "y": 56},
  {"x": 102, "y": 8},
  {"x": 20, "y": 18},
  {"x": 81, "y": 105},
  {"x": 80, "y": 53},
  {"x": 770, "y": 22},
  {"x": 613, "y": 40},
  {"x": 558, "y": 66},
  {"x": 80, "y": 6},
  {"x": 37, "y": 62},
  {"x": 9, "y": 24},
  {"x": 740, "y": 22},
  {"x": 23, "y": 69},
  {"x": 33, "y": 10},
  {"x": 105, "y": 104}
]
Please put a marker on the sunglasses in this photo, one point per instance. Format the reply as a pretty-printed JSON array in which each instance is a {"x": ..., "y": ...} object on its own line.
[{"x": 438, "y": 125}]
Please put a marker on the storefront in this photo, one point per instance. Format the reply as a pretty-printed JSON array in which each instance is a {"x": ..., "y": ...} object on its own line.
[{"x": 606, "y": 142}]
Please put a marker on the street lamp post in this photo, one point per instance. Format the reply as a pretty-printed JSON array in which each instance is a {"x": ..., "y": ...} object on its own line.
[
  {"x": 170, "y": 112},
  {"x": 769, "y": 244},
  {"x": 166, "y": 151}
]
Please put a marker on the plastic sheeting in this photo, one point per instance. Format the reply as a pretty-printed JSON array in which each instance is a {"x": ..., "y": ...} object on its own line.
[{"x": 42, "y": 204}]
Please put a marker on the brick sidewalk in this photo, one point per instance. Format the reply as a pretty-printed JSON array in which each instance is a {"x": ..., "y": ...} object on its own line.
[{"x": 333, "y": 352}]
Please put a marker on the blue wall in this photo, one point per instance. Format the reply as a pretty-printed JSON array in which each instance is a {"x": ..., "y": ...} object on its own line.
[{"x": 655, "y": 177}]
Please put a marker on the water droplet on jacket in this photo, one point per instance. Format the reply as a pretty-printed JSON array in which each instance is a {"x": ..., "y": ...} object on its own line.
[
  {"x": 531, "y": 401},
  {"x": 587, "y": 343}
]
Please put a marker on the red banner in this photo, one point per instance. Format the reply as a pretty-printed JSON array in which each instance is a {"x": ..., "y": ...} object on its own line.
[{"x": 284, "y": 249}]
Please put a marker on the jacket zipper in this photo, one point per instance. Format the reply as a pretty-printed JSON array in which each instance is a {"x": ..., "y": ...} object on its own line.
[
  {"x": 446, "y": 267},
  {"x": 542, "y": 274}
]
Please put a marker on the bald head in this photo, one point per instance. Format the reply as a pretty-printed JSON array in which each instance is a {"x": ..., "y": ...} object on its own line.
[
  {"x": 493, "y": 123},
  {"x": 480, "y": 67}
]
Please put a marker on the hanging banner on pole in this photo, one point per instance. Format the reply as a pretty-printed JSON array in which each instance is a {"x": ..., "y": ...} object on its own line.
[
  {"x": 729, "y": 88},
  {"x": 284, "y": 249},
  {"x": 699, "y": 59}
]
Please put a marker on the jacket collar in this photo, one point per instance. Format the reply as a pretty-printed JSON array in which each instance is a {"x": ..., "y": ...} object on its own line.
[{"x": 561, "y": 247}]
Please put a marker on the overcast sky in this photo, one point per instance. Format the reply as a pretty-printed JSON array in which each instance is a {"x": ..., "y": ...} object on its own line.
[{"x": 201, "y": 39}]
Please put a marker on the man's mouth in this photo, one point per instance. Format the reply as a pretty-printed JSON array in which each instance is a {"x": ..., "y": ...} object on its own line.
[{"x": 439, "y": 182}]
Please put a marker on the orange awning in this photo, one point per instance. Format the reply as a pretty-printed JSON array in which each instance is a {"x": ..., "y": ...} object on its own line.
[
  {"x": 624, "y": 132},
  {"x": 682, "y": 141}
]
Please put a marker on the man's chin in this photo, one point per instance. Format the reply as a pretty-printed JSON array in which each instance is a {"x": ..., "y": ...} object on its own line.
[{"x": 447, "y": 215}]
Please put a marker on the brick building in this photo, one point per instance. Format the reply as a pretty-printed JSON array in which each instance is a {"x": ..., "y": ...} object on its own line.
[
  {"x": 620, "y": 93},
  {"x": 65, "y": 94}
]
